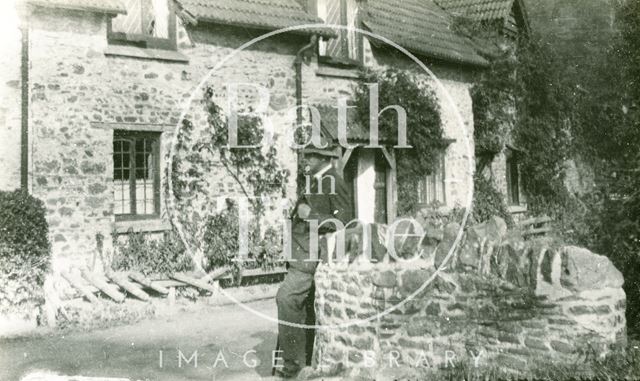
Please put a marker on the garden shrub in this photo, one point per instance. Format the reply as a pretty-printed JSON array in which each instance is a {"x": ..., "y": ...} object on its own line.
[
  {"x": 222, "y": 244},
  {"x": 220, "y": 238},
  {"x": 140, "y": 253},
  {"x": 25, "y": 252},
  {"x": 488, "y": 201},
  {"x": 268, "y": 250}
]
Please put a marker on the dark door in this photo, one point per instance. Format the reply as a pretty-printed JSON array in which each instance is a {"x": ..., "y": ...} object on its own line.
[
  {"x": 350, "y": 175},
  {"x": 380, "y": 187}
]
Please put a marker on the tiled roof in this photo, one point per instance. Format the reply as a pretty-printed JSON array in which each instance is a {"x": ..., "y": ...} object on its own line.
[
  {"x": 422, "y": 27},
  {"x": 267, "y": 14},
  {"x": 103, "y": 6},
  {"x": 478, "y": 9}
]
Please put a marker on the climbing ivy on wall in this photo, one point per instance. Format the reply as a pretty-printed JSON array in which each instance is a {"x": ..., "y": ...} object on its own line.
[
  {"x": 493, "y": 108},
  {"x": 565, "y": 107},
  {"x": 257, "y": 171},
  {"x": 523, "y": 99},
  {"x": 424, "y": 126},
  {"x": 545, "y": 115}
]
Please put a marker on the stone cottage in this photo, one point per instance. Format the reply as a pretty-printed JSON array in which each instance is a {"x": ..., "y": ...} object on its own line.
[{"x": 102, "y": 85}]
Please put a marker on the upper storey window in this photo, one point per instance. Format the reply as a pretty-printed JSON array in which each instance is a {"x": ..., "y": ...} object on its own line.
[
  {"x": 147, "y": 24},
  {"x": 345, "y": 48}
]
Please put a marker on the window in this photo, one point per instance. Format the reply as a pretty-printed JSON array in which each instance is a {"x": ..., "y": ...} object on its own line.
[
  {"x": 347, "y": 47},
  {"x": 147, "y": 24},
  {"x": 136, "y": 174},
  {"x": 431, "y": 189},
  {"x": 513, "y": 180}
]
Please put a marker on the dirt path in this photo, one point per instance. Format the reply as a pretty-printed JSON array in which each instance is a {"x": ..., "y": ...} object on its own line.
[{"x": 221, "y": 336}]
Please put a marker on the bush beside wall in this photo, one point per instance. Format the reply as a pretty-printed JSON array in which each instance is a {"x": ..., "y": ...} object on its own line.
[
  {"x": 25, "y": 253},
  {"x": 138, "y": 252}
]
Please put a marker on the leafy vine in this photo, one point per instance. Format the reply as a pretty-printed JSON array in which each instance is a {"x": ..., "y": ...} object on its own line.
[
  {"x": 523, "y": 100},
  {"x": 256, "y": 172},
  {"x": 424, "y": 127}
]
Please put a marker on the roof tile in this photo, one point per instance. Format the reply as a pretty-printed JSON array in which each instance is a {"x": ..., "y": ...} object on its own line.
[
  {"x": 422, "y": 27},
  {"x": 478, "y": 9},
  {"x": 267, "y": 14}
]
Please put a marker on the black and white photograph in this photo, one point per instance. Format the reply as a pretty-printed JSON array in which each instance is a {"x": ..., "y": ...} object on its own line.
[{"x": 357, "y": 190}]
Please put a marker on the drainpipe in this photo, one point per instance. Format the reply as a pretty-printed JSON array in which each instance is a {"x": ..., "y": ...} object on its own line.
[
  {"x": 297, "y": 63},
  {"x": 24, "y": 135}
]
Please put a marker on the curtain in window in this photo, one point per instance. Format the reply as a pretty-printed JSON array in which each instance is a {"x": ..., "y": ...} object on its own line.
[
  {"x": 352, "y": 23},
  {"x": 330, "y": 12},
  {"x": 144, "y": 17},
  {"x": 340, "y": 12},
  {"x": 161, "y": 17},
  {"x": 431, "y": 189},
  {"x": 144, "y": 177}
]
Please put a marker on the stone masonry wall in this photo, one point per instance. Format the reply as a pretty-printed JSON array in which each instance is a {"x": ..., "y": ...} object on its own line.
[
  {"x": 10, "y": 98},
  {"x": 530, "y": 307},
  {"x": 80, "y": 96}
]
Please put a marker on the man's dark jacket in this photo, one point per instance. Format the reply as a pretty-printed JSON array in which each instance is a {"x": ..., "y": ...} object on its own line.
[{"x": 323, "y": 206}]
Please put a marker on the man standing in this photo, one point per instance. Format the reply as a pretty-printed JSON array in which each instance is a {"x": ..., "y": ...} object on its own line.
[{"x": 327, "y": 196}]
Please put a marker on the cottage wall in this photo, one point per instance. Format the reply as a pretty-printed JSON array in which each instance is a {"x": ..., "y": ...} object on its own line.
[
  {"x": 81, "y": 93},
  {"x": 10, "y": 98}
]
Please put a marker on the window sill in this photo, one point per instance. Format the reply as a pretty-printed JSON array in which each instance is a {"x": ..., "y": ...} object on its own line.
[
  {"x": 335, "y": 72},
  {"x": 440, "y": 208},
  {"x": 143, "y": 226},
  {"x": 151, "y": 54},
  {"x": 517, "y": 209}
]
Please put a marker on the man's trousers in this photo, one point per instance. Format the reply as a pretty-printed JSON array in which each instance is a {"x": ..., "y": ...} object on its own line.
[{"x": 295, "y": 300}]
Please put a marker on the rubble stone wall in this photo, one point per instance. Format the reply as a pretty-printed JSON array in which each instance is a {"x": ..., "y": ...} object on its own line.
[
  {"x": 532, "y": 305},
  {"x": 80, "y": 95},
  {"x": 10, "y": 99}
]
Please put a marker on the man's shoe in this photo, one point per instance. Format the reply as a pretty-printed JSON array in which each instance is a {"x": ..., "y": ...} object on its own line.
[
  {"x": 308, "y": 373},
  {"x": 282, "y": 373},
  {"x": 288, "y": 370}
]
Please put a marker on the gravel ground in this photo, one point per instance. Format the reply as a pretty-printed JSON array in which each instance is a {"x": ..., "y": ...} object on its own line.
[{"x": 232, "y": 344}]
